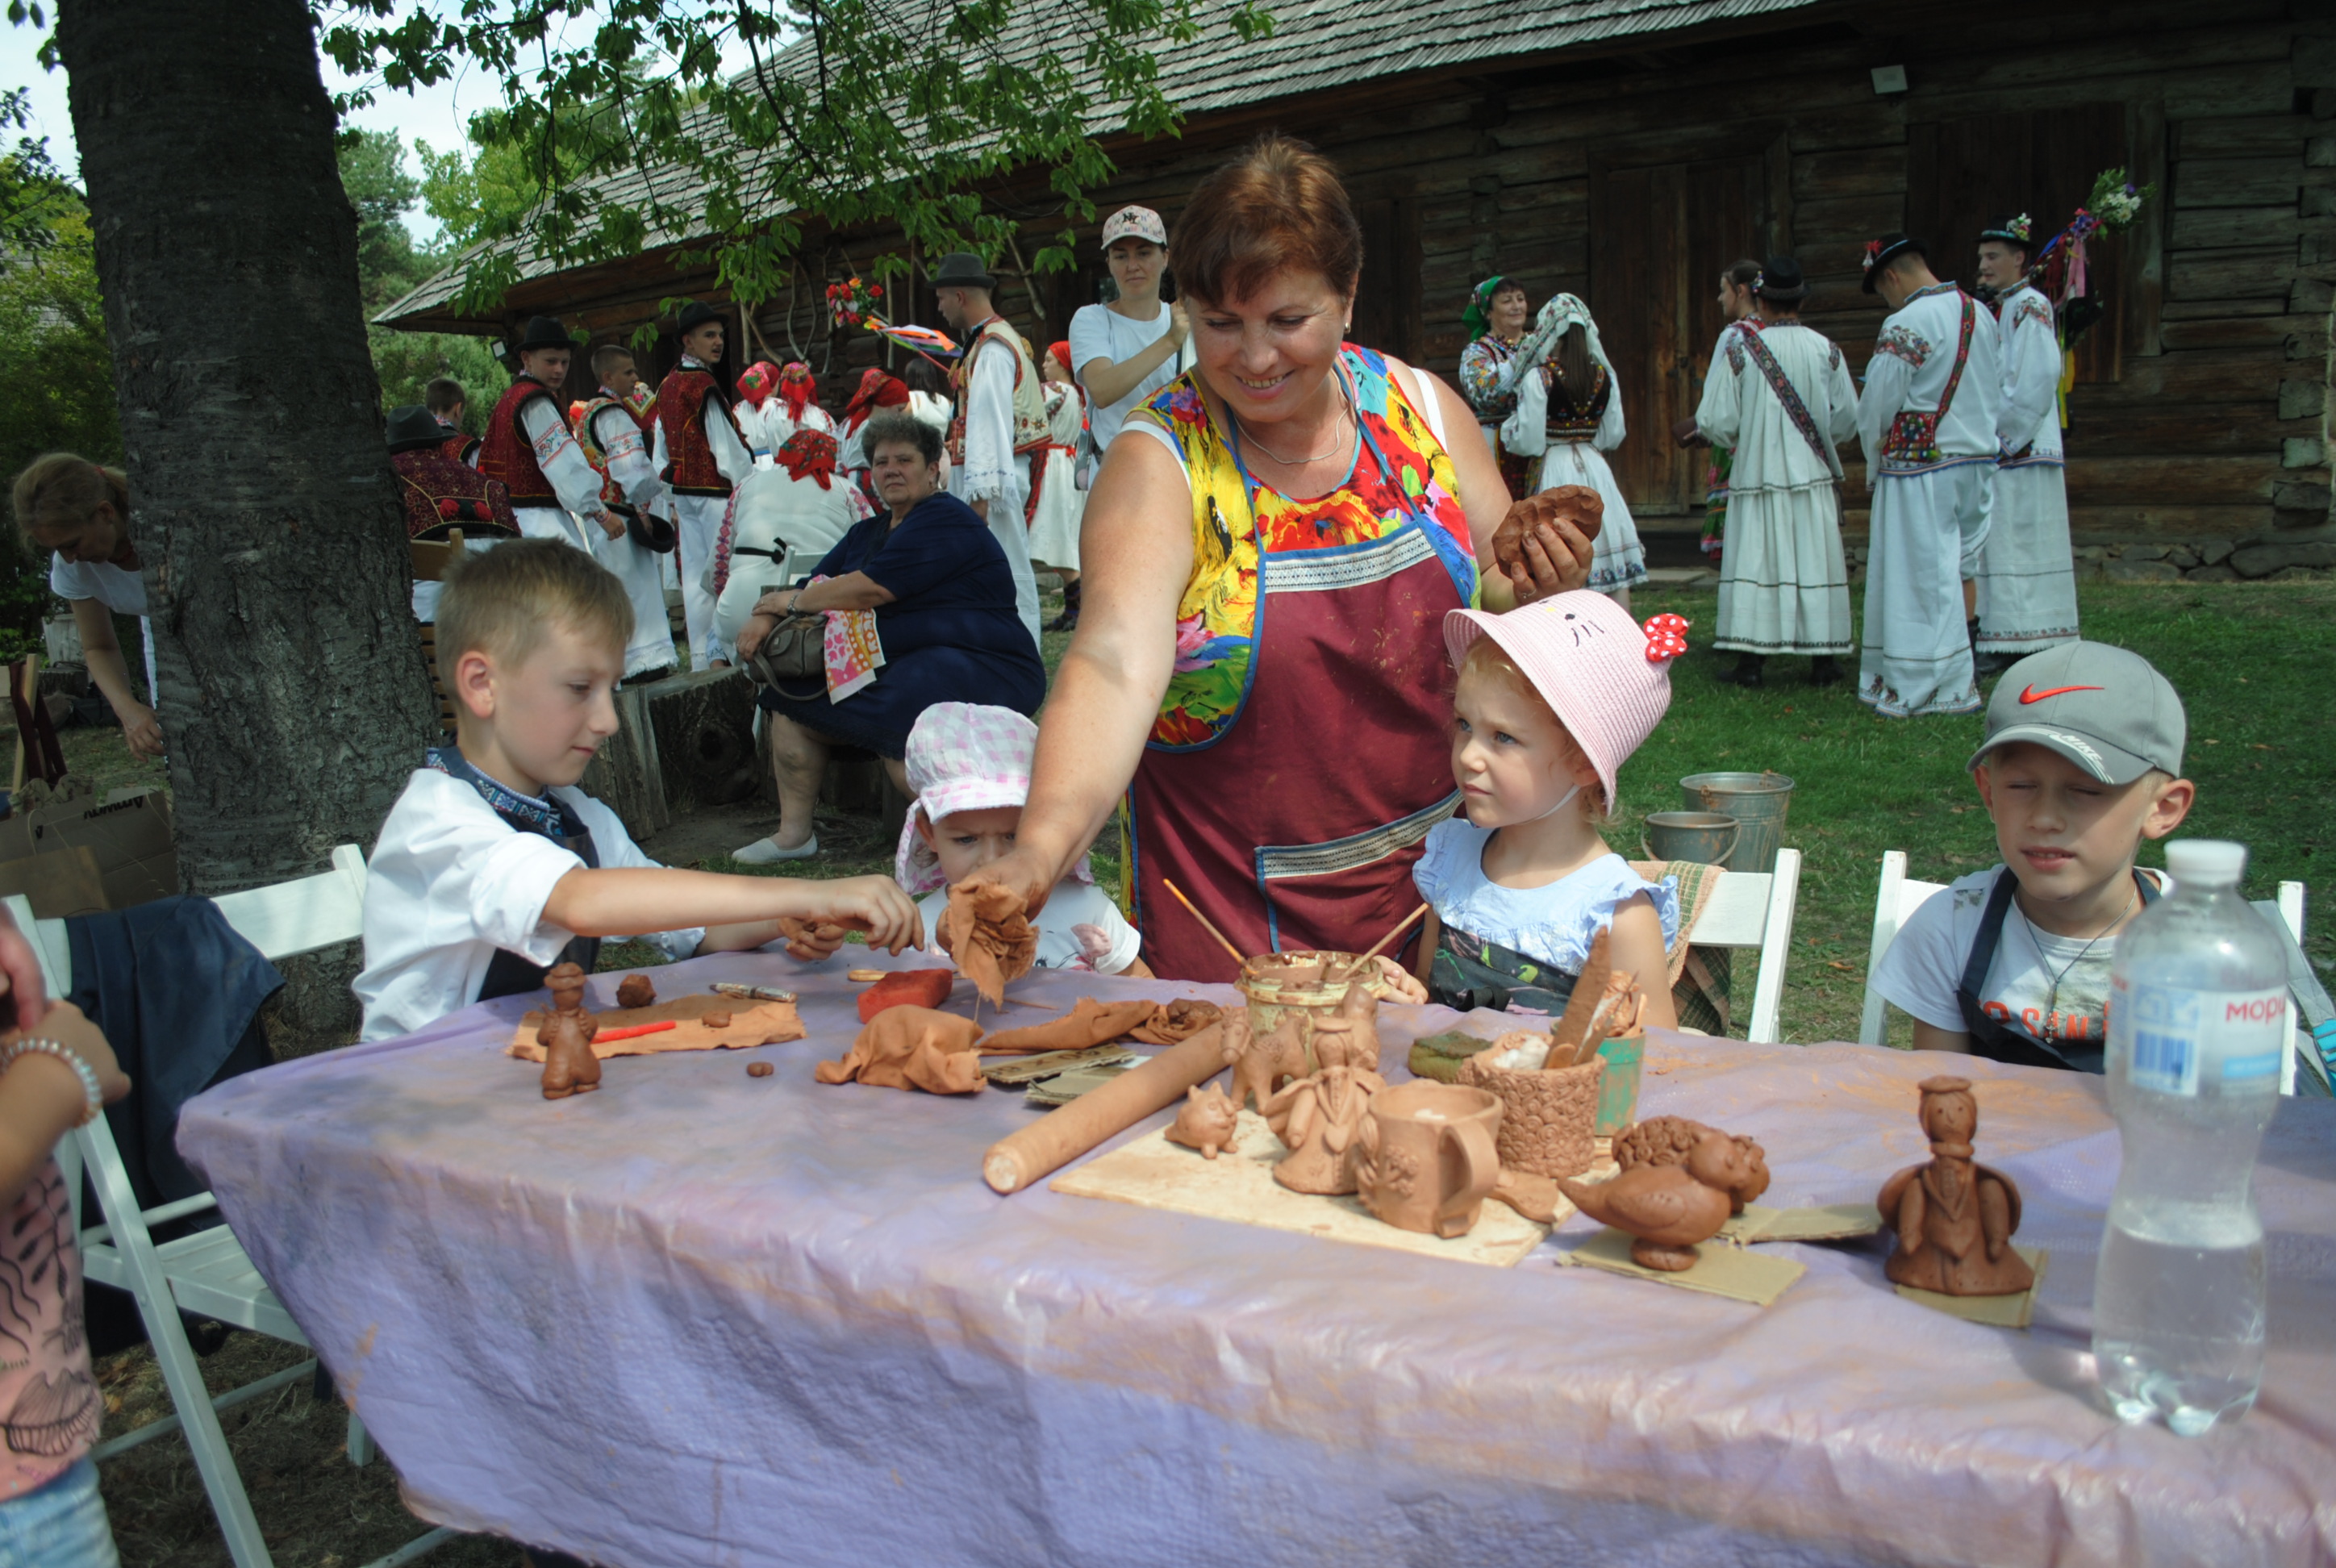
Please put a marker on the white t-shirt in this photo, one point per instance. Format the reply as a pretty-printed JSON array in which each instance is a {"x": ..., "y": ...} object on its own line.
[
  {"x": 1074, "y": 908},
  {"x": 450, "y": 882},
  {"x": 1919, "y": 972},
  {"x": 1099, "y": 332},
  {"x": 122, "y": 592}
]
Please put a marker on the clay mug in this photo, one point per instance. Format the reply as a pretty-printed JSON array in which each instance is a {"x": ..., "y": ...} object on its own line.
[{"x": 1428, "y": 1160}]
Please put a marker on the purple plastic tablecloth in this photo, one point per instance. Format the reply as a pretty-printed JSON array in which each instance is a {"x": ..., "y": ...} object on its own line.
[{"x": 699, "y": 1318}]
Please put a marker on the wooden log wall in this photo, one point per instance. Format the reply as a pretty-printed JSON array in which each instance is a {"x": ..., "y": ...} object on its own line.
[{"x": 2212, "y": 420}]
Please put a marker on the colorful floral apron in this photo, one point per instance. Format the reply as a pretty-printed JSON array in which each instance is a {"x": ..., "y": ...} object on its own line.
[{"x": 1302, "y": 750}]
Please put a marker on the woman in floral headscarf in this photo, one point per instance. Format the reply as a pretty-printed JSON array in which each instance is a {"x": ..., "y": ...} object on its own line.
[
  {"x": 1495, "y": 323},
  {"x": 1573, "y": 411}
]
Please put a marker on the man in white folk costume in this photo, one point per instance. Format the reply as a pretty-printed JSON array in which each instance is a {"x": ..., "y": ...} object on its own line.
[
  {"x": 614, "y": 443},
  {"x": 555, "y": 491},
  {"x": 1927, "y": 423},
  {"x": 1780, "y": 396},
  {"x": 1001, "y": 419},
  {"x": 701, "y": 457},
  {"x": 2027, "y": 577}
]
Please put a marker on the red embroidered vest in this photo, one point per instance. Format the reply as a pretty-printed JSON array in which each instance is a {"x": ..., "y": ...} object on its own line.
[
  {"x": 458, "y": 445},
  {"x": 507, "y": 454},
  {"x": 580, "y": 421},
  {"x": 681, "y": 408}
]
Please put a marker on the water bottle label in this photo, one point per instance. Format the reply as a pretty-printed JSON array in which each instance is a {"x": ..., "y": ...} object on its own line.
[{"x": 2163, "y": 1035}]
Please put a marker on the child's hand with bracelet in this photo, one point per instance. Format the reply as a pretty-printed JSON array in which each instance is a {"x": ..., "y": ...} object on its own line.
[{"x": 66, "y": 1035}]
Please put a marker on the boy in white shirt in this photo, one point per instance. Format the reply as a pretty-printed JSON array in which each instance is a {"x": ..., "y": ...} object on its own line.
[
  {"x": 494, "y": 867},
  {"x": 2081, "y": 764}
]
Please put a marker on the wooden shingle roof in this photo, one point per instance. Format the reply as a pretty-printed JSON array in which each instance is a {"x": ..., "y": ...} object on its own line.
[{"x": 1317, "y": 46}]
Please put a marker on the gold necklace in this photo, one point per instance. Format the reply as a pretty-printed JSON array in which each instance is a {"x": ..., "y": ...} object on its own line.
[{"x": 1337, "y": 439}]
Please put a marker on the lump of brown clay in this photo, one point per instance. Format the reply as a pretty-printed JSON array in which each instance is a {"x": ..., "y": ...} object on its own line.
[
  {"x": 759, "y": 1069},
  {"x": 1177, "y": 1021},
  {"x": 1953, "y": 1218},
  {"x": 1088, "y": 1022},
  {"x": 1576, "y": 503},
  {"x": 1668, "y": 1140},
  {"x": 1262, "y": 1063},
  {"x": 714, "y": 1020},
  {"x": 1317, "y": 1120},
  {"x": 1669, "y": 1209},
  {"x": 987, "y": 932},
  {"x": 638, "y": 991},
  {"x": 1206, "y": 1122},
  {"x": 912, "y": 1049}
]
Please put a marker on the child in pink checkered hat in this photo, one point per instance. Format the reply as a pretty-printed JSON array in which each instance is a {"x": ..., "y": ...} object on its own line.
[
  {"x": 969, "y": 769},
  {"x": 1552, "y": 699}
]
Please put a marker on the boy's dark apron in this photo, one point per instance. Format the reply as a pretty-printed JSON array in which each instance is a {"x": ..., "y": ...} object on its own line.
[{"x": 2000, "y": 1042}]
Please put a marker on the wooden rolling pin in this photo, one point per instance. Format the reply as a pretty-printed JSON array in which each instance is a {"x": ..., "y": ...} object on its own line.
[{"x": 1063, "y": 1134}]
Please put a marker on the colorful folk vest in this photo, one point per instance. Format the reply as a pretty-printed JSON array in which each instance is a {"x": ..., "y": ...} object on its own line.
[
  {"x": 1030, "y": 428},
  {"x": 460, "y": 445},
  {"x": 580, "y": 420},
  {"x": 442, "y": 495},
  {"x": 1572, "y": 421},
  {"x": 507, "y": 454},
  {"x": 681, "y": 408}
]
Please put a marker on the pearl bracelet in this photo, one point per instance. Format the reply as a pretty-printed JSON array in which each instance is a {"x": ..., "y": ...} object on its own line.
[{"x": 15, "y": 1050}]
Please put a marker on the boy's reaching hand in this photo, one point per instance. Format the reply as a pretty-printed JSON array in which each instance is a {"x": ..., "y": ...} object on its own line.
[
  {"x": 813, "y": 941},
  {"x": 875, "y": 905}
]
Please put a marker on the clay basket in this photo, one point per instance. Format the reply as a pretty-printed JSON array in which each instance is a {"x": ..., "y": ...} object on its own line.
[
  {"x": 1270, "y": 993},
  {"x": 1547, "y": 1115}
]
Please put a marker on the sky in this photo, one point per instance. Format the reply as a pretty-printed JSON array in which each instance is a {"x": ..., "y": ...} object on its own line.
[{"x": 438, "y": 115}]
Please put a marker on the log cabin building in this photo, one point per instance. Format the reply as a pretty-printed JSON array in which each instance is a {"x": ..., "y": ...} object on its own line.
[{"x": 1628, "y": 150}]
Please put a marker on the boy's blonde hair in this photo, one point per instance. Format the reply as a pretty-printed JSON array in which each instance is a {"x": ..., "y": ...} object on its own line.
[
  {"x": 1489, "y": 657},
  {"x": 59, "y": 491},
  {"x": 503, "y": 602}
]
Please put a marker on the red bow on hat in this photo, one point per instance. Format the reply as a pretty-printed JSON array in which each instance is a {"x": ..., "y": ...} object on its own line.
[{"x": 1666, "y": 638}]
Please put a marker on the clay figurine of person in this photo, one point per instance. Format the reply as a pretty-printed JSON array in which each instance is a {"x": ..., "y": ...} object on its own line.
[
  {"x": 1350, "y": 1036},
  {"x": 1954, "y": 1217},
  {"x": 566, "y": 1034},
  {"x": 1316, "y": 1119}
]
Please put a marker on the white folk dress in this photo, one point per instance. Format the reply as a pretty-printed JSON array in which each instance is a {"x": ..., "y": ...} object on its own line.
[
  {"x": 2027, "y": 577},
  {"x": 1930, "y": 499},
  {"x": 1575, "y": 427},
  {"x": 1059, "y": 504},
  {"x": 1784, "y": 586},
  {"x": 618, "y": 436}
]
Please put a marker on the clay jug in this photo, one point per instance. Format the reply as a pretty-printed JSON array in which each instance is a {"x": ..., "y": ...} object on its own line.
[{"x": 1428, "y": 1160}]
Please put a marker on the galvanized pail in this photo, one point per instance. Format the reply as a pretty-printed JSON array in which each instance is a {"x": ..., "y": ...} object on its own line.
[
  {"x": 1701, "y": 838},
  {"x": 1757, "y": 801}
]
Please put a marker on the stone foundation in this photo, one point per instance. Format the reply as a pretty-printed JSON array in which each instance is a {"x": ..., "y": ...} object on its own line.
[{"x": 2193, "y": 560}]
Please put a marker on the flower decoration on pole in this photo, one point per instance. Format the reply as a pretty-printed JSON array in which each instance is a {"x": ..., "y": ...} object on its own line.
[{"x": 854, "y": 303}]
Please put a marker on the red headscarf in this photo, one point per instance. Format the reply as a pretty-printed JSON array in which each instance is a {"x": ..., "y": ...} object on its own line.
[
  {"x": 1061, "y": 352},
  {"x": 796, "y": 388},
  {"x": 754, "y": 383},
  {"x": 809, "y": 454},
  {"x": 879, "y": 388}
]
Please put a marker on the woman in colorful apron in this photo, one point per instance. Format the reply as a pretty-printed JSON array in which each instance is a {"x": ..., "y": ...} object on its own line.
[{"x": 1271, "y": 547}]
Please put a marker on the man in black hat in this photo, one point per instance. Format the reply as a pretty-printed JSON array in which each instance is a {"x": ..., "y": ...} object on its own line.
[
  {"x": 529, "y": 448},
  {"x": 1927, "y": 421},
  {"x": 1001, "y": 418},
  {"x": 701, "y": 458},
  {"x": 2027, "y": 579},
  {"x": 1780, "y": 397},
  {"x": 442, "y": 494}
]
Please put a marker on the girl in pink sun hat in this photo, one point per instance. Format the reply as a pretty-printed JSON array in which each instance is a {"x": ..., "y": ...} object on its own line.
[{"x": 1552, "y": 699}]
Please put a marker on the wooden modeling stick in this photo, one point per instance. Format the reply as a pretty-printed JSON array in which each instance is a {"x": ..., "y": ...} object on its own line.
[
  {"x": 1206, "y": 924},
  {"x": 1062, "y": 1135},
  {"x": 1573, "y": 1027},
  {"x": 1381, "y": 946}
]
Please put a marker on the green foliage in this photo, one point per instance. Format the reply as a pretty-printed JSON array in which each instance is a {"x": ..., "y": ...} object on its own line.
[{"x": 856, "y": 112}]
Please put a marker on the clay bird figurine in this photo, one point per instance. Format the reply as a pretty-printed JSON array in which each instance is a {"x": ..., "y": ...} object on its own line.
[
  {"x": 1206, "y": 1122},
  {"x": 1668, "y": 1208},
  {"x": 1670, "y": 1140}
]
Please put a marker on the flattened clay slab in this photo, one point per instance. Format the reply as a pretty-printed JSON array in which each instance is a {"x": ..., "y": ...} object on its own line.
[
  {"x": 1031, "y": 1070},
  {"x": 1831, "y": 1222},
  {"x": 764, "y": 1024},
  {"x": 1237, "y": 1185},
  {"x": 1720, "y": 1270},
  {"x": 1995, "y": 1312}
]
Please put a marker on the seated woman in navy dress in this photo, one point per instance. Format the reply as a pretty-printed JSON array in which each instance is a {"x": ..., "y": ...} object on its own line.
[{"x": 944, "y": 602}]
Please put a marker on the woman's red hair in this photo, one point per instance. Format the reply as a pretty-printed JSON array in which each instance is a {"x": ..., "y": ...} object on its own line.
[{"x": 1278, "y": 207}]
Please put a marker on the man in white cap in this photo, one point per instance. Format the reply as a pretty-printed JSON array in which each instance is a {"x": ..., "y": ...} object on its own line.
[
  {"x": 2027, "y": 579},
  {"x": 1001, "y": 418},
  {"x": 1927, "y": 420}
]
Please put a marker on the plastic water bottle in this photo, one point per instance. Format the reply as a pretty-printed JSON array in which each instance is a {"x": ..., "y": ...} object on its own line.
[{"x": 2197, "y": 1033}]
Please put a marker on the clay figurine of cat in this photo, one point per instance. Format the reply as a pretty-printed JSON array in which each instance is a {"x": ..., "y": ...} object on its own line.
[{"x": 1206, "y": 1122}]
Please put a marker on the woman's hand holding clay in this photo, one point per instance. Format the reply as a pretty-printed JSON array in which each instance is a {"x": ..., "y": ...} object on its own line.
[
  {"x": 1403, "y": 986},
  {"x": 1552, "y": 554},
  {"x": 1023, "y": 870}
]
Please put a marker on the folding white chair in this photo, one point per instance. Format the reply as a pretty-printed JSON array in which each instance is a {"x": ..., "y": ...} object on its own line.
[
  {"x": 2288, "y": 910},
  {"x": 1900, "y": 896},
  {"x": 208, "y": 1273},
  {"x": 1755, "y": 909}
]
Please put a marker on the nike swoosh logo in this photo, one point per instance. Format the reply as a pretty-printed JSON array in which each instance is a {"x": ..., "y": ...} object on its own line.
[{"x": 2030, "y": 693}]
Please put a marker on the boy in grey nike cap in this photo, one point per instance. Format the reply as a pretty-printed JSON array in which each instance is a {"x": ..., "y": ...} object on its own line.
[{"x": 2082, "y": 762}]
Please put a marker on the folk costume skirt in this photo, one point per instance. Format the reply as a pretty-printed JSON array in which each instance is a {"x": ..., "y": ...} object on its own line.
[
  {"x": 1617, "y": 560},
  {"x": 1928, "y": 531},
  {"x": 1783, "y": 585},
  {"x": 2026, "y": 577}
]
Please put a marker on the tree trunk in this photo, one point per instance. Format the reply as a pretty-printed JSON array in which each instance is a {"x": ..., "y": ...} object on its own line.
[{"x": 291, "y": 688}]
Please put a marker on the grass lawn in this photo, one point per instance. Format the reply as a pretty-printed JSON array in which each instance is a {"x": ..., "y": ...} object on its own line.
[{"x": 2248, "y": 658}]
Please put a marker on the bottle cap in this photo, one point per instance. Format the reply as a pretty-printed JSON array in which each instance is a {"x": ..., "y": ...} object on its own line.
[{"x": 2205, "y": 862}]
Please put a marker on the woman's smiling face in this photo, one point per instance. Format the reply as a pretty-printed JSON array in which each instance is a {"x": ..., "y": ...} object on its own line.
[{"x": 1268, "y": 354}]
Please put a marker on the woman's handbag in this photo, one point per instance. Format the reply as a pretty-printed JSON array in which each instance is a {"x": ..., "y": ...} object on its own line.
[{"x": 793, "y": 656}]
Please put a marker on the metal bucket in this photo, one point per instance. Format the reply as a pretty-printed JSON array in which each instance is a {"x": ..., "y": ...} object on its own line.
[
  {"x": 1757, "y": 801},
  {"x": 1702, "y": 838}
]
